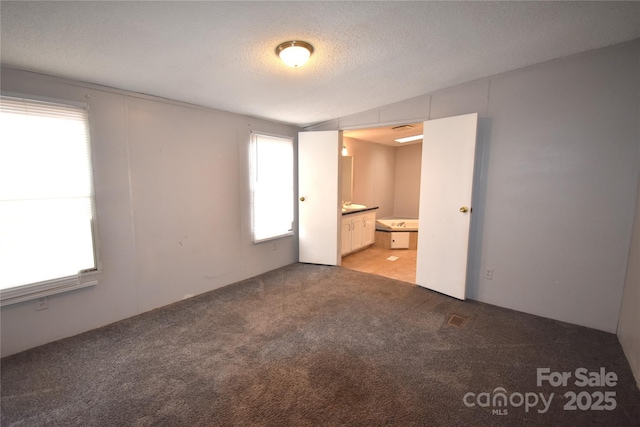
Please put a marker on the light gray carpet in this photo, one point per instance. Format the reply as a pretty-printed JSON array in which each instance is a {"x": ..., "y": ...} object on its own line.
[{"x": 311, "y": 345}]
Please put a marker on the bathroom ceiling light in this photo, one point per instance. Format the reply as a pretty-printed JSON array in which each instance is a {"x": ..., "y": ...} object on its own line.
[
  {"x": 294, "y": 53},
  {"x": 409, "y": 139},
  {"x": 344, "y": 150}
]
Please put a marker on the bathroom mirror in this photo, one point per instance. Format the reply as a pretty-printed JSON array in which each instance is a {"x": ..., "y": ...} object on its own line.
[{"x": 346, "y": 192}]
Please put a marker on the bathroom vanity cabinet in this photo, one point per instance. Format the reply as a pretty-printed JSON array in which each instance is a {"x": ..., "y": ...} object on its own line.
[{"x": 358, "y": 230}]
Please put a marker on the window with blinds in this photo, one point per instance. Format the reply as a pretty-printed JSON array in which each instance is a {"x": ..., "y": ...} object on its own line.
[
  {"x": 46, "y": 198},
  {"x": 271, "y": 186}
]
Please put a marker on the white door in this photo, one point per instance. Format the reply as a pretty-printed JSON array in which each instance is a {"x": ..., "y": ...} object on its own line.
[
  {"x": 446, "y": 182},
  {"x": 318, "y": 193}
]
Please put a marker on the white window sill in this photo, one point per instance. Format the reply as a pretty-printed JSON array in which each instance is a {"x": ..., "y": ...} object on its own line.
[
  {"x": 279, "y": 236},
  {"x": 44, "y": 289}
]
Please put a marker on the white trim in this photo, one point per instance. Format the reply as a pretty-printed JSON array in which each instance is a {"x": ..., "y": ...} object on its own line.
[
  {"x": 32, "y": 291},
  {"x": 279, "y": 236},
  {"x": 50, "y": 100}
]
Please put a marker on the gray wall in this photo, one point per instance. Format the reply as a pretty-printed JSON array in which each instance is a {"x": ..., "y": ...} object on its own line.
[
  {"x": 556, "y": 181},
  {"x": 172, "y": 196},
  {"x": 629, "y": 323}
]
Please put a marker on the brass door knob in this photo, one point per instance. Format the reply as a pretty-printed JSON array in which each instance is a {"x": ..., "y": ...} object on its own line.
[
  {"x": 302, "y": 199},
  {"x": 464, "y": 209}
]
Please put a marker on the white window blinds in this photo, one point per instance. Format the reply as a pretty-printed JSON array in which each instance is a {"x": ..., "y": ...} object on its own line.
[
  {"x": 46, "y": 218},
  {"x": 272, "y": 186}
]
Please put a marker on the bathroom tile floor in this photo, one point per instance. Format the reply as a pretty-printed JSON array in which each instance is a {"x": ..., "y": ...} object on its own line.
[{"x": 374, "y": 260}]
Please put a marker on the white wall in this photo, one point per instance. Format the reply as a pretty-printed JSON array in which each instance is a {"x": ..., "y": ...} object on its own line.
[
  {"x": 556, "y": 181},
  {"x": 374, "y": 169},
  {"x": 406, "y": 202},
  {"x": 385, "y": 176},
  {"x": 629, "y": 323},
  {"x": 172, "y": 198}
]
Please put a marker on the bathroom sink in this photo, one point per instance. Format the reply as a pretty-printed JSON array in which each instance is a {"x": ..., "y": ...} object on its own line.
[{"x": 352, "y": 207}]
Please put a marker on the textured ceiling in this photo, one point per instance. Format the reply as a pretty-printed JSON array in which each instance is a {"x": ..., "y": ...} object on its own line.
[{"x": 367, "y": 54}]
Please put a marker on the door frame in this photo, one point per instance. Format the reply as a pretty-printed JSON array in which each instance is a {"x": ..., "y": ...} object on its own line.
[{"x": 477, "y": 169}]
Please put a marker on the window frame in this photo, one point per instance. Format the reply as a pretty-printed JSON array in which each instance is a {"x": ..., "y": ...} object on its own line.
[
  {"x": 253, "y": 136},
  {"x": 84, "y": 278}
]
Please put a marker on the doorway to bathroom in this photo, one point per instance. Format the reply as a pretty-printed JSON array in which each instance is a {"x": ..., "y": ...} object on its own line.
[
  {"x": 446, "y": 182},
  {"x": 385, "y": 174}
]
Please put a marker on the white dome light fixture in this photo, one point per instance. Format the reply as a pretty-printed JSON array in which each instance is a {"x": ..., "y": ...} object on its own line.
[{"x": 294, "y": 53}]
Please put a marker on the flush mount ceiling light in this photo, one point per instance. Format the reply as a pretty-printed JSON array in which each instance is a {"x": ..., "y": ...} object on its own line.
[
  {"x": 294, "y": 53},
  {"x": 409, "y": 139}
]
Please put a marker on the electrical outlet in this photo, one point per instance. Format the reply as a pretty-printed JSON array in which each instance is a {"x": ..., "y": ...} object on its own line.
[
  {"x": 42, "y": 304},
  {"x": 488, "y": 274}
]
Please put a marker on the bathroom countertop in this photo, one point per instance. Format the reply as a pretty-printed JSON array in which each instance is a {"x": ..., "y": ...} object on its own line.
[{"x": 359, "y": 210}]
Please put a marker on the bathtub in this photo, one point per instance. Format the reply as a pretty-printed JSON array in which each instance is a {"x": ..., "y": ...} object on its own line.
[
  {"x": 397, "y": 233},
  {"x": 397, "y": 224}
]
